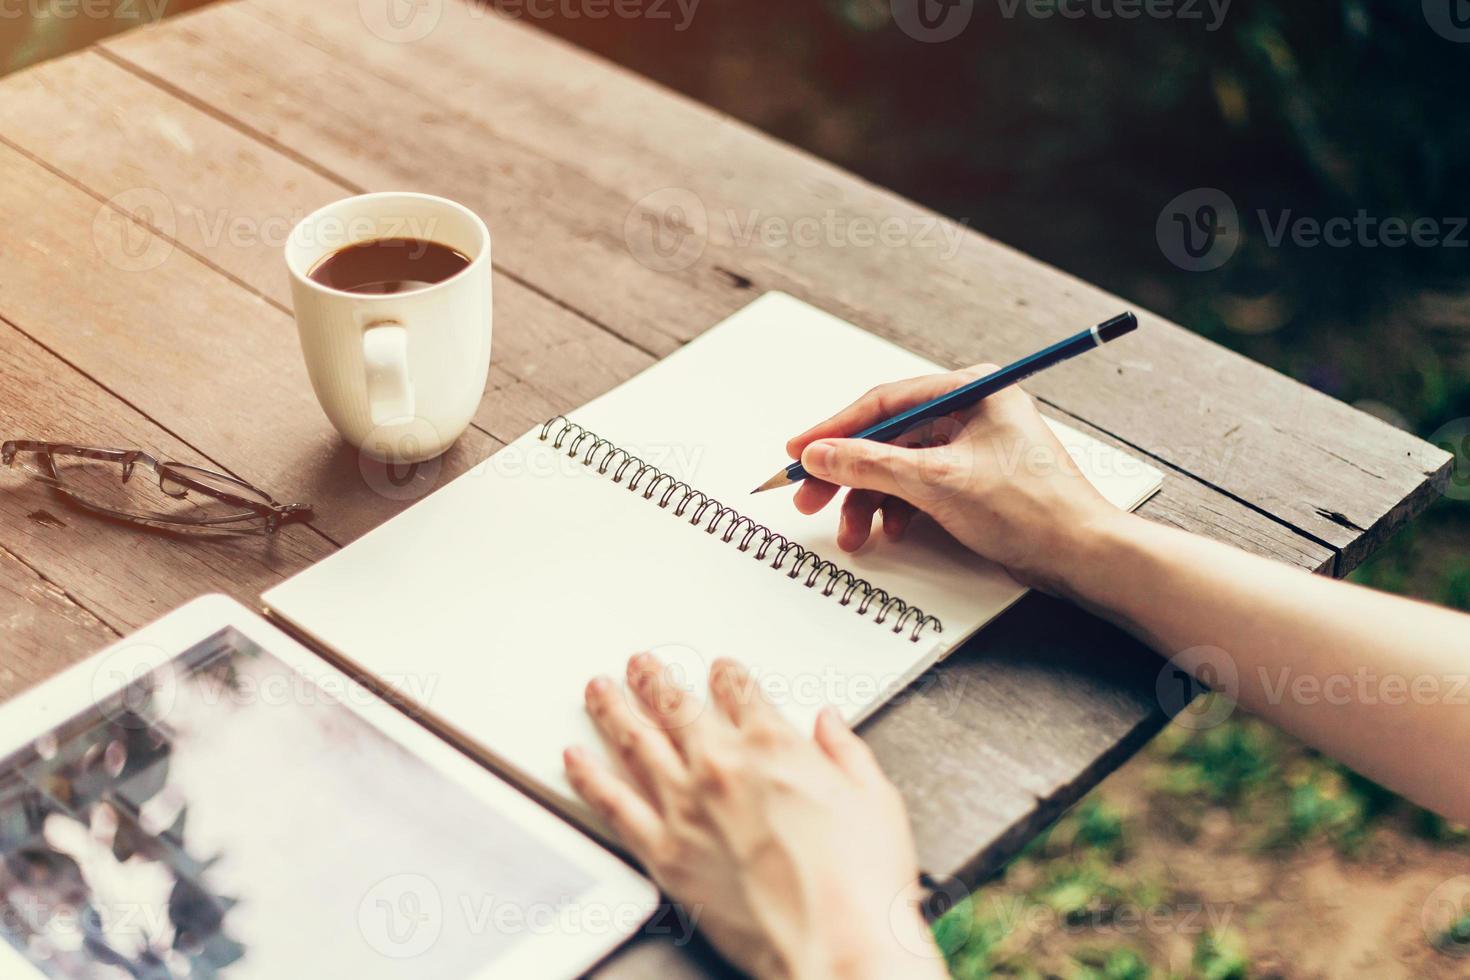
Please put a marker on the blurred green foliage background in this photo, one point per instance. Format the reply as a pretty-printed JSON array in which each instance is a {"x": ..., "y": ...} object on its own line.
[{"x": 1066, "y": 138}]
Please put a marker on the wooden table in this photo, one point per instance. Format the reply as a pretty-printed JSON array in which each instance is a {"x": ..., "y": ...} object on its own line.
[{"x": 149, "y": 182}]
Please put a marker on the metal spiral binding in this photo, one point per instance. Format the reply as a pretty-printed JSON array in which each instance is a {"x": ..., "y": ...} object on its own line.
[{"x": 709, "y": 513}]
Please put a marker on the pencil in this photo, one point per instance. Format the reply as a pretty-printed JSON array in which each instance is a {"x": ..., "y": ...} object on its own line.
[{"x": 967, "y": 395}]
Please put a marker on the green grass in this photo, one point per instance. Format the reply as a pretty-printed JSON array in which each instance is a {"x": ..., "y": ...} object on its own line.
[
  {"x": 1457, "y": 936},
  {"x": 1221, "y": 957},
  {"x": 1076, "y": 877},
  {"x": 1122, "y": 963}
]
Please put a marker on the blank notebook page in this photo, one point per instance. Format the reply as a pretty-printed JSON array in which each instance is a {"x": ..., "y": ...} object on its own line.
[{"x": 492, "y": 602}]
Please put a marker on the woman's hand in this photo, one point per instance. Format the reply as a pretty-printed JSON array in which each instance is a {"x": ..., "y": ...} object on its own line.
[
  {"x": 793, "y": 854},
  {"x": 994, "y": 476},
  {"x": 997, "y": 479}
]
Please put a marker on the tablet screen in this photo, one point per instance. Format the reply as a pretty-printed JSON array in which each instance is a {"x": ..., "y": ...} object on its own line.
[{"x": 226, "y": 817}]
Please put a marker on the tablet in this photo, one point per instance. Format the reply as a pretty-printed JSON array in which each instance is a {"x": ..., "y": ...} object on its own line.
[{"x": 208, "y": 799}]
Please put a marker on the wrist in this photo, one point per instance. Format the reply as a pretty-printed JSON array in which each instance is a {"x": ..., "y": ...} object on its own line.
[
  {"x": 899, "y": 944},
  {"x": 1095, "y": 561},
  {"x": 908, "y": 951}
]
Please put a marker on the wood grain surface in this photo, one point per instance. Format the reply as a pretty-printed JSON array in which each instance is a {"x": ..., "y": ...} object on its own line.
[{"x": 151, "y": 182}]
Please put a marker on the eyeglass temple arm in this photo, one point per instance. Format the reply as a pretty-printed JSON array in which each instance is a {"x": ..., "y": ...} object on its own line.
[{"x": 130, "y": 457}]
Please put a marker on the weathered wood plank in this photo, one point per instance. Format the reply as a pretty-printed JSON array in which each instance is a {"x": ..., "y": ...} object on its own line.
[
  {"x": 228, "y": 201},
  {"x": 120, "y": 577},
  {"x": 1046, "y": 703},
  {"x": 967, "y": 782},
  {"x": 183, "y": 343},
  {"x": 1193, "y": 506},
  {"x": 558, "y": 149},
  {"x": 547, "y": 359},
  {"x": 45, "y": 629}
]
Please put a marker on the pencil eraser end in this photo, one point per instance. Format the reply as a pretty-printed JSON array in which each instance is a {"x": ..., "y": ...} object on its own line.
[{"x": 1117, "y": 327}]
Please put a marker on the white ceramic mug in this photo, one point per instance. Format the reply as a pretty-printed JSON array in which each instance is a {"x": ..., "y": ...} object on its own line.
[{"x": 398, "y": 374}]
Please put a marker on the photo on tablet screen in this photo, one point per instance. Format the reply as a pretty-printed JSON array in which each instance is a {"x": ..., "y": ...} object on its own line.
[{"x": 225, "y": 817}]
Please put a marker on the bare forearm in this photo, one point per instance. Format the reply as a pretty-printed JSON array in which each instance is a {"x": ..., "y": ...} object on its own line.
[
  {"x": 1369, "y": 678},
  {"x": 1376, "y": 681}
]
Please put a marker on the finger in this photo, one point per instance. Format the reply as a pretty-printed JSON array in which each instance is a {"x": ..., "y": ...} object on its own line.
[
  {"x": 896, "y": 517},
  {"x": 884, "y": 402},
  {"x": 644, "y": 748},
  {"x": 843, "y": 747},
  {"x": 737, "y": 694},
  {"x": 814, "y": 494},
  {"x": 678, "y": 712},
  {"x": 865, "y": 465},
  {"x": 857, "y": 518},
  {"x": 629, "y": 815}
]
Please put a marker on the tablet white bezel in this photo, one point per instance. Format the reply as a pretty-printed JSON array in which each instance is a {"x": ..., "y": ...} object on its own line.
[{"x": 545, "y": 953}]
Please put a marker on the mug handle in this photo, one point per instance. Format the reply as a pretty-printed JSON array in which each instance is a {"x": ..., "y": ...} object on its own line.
[{"x": 385, "y": 359}]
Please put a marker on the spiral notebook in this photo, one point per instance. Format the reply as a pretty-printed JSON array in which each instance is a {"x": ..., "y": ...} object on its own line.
[{"x": 628, "y": 525}]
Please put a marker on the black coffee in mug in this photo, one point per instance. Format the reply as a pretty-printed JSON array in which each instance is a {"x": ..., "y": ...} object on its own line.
[{"x": 388, "y": 265}]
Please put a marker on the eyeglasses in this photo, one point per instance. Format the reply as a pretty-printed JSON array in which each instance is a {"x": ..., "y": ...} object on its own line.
[{"x": 181, "y": 496}]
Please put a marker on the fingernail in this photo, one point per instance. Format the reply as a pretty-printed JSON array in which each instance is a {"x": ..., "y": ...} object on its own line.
[
  {"x": 598, "y": 687},
  {"x": 818, "y": 457}
]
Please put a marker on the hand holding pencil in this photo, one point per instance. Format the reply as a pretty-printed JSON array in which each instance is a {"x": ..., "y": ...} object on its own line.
[{"x": 993, "y": 475}]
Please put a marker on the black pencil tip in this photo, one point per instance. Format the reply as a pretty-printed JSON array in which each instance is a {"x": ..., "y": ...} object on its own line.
[{"x": 779, "y": 480}]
